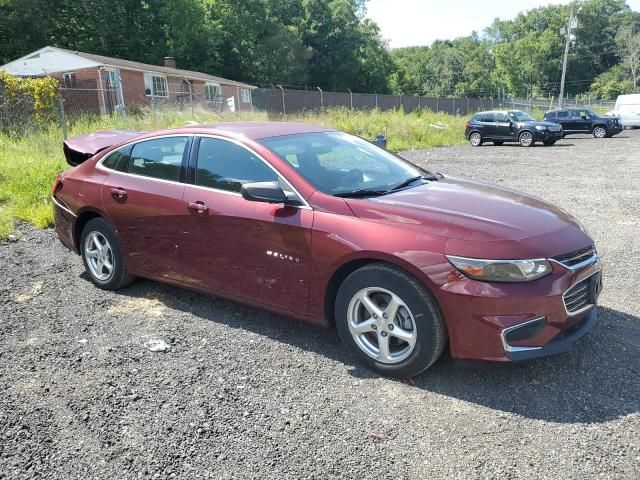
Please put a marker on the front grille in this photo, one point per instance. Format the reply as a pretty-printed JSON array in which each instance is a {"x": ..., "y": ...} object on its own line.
[
  {"x": 582, "y": 294},
  {"x": 578, "y": 256}
]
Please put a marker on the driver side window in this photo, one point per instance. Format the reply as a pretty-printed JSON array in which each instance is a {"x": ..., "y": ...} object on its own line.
[{"x": 225, "y": 165}]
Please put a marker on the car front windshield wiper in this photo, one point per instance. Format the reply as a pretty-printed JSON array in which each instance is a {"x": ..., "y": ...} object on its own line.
[
  {"x": 407, "y": 182},
  {"x": 364, "y": 192}
]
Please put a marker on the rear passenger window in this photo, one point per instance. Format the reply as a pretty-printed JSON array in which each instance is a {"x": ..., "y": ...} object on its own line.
[
  {"x": 487, "y": 117},
  {"x": 159, "y": 158},
  {"x": 117, "y": 160},
  {"x": 564, "y": 114},
  {"x": 226, "y": 166}
]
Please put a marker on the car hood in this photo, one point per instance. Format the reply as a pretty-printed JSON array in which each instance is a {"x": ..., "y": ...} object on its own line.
[{"x": 464, "y": 209}]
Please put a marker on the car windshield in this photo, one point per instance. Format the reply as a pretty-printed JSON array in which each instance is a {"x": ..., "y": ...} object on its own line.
[
  {"x": 345, "y": 165},
  {"x": 520, "y": 117}
]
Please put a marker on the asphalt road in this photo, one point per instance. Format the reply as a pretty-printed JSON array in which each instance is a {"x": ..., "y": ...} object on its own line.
[{"x": 247, "y": 394}]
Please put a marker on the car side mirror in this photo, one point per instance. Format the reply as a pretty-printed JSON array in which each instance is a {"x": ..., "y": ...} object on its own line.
[{"x": 267, "y": 192}]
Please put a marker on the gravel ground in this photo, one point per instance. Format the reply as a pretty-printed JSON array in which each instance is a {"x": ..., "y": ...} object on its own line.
[{"x": 246, "y": 394}]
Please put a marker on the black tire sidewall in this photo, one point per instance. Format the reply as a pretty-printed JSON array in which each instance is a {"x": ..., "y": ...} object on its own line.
[
  {"x": 119, "y": 276},
  {"x": 429, "y": 327}
]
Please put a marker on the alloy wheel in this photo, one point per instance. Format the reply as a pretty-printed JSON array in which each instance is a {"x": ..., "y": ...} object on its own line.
[
  {"x": 599, "y": 132},
  {"x": 475, "y": 139},
  {"x": 526, "y": 139},
  {"x": 382, "y": 325},
  {"x": 99, "y": 255}
]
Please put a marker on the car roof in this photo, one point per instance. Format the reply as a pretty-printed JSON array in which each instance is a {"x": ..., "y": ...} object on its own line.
[{"x": 251, "y": 130}]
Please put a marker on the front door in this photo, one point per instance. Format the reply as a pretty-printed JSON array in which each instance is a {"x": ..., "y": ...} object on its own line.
[
  {"x": 251, "y": 250},
  {"x": 142, "y": 197},
  {"x": 580, "y": 121},
  {"x": 504, "y": 128}
]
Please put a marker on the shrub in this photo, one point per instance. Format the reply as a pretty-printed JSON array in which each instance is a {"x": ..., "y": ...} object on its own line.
[{"x": 26, "y": 102}]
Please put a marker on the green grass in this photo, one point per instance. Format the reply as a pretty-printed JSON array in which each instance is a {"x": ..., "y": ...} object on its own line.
[{"x": 30, "y": 162}]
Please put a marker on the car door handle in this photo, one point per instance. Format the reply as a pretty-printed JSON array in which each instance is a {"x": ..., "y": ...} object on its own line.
[
  {"x": 119, "y": 194},
  {"x": 198, "y": 207}
]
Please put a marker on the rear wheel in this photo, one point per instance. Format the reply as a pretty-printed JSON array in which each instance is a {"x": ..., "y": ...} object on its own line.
[
  {"x": 102, "y": 256},
  {"x": 599, "y": 132},
  {"x": 497, "y": 144},
  {"x": 389, "y": 321},
  {"x": 475, "y": 139},
  {"x": 526, "y": 139},
  {"x": 548, "y": 143}
]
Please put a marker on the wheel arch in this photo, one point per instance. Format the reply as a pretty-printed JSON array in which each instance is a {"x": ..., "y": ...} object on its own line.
[
  {"x": 471, "y": 132},
  {"x": 349, "y": 266},
  {"x": 83, "y": 218}
]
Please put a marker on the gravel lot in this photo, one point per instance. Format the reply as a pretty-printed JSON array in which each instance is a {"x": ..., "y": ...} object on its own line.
[{"x": 247, "y": 394}]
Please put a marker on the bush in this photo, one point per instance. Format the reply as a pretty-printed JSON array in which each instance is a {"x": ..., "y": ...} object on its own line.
[{"x": 26, "y": 102}]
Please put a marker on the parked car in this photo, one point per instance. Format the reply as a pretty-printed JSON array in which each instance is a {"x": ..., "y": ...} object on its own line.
[
  {"x": 628, "y": 109},
  {"x": 510, "y": 126},
  {"x": 324, "y": 226},
  {"x": 583, "y": 120}
]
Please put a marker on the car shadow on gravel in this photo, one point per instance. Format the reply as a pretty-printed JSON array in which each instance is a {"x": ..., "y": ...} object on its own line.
[{"x": 596, "y": 382}]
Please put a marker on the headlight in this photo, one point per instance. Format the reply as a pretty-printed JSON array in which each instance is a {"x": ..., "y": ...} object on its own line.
[
  {"x": 540, "y": 127},
  {"x": 501, "y": 270}
]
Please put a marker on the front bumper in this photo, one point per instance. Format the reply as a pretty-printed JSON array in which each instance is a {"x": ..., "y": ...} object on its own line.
[
  {"x": 614, "y": 130},
  {"x": 506, "y": 322},
  {"x": 547, "y": 135}
]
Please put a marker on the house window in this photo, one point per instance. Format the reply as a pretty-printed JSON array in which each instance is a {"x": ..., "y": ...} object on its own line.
[
  {"x": 212, "y": 92},
  {"x": 69, "y": 80},
  {"x": 245, "y": 95},
  {"x": 156, "y": 84}
]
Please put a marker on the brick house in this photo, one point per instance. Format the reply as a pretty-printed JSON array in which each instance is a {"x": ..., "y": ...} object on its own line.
[{"x": 95, "y": 83}]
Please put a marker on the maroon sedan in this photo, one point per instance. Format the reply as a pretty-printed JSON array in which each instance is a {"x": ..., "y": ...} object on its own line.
[{"x": 326, "y": 227}]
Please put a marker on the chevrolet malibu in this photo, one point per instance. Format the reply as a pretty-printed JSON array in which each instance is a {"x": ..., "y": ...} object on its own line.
[{"x": 326, "y": 227}]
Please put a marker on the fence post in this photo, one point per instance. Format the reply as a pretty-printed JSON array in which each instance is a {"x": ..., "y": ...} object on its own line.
[
  {"x": 153, "y": 98},
  {"x": 63, "y": 118},
  {"x": 491, "y": 103},
  {"x": 193, "y": 117},
  {"x": 467, "y": 112},
  {"x": 321, "y": 98},
  {"x": 350, "y": 98},
  {"x": 284, "y": 105},
  {"x": 437, "y": 104},
  {"x": 376, "y": 100},
  {"x": 120, "y": 94},
  {"x": 454, "y": 106},
  {"x": 419, "y": 105}
]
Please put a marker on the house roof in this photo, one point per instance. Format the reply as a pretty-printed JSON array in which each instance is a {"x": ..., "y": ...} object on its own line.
[{"x": 36, "y": 63}]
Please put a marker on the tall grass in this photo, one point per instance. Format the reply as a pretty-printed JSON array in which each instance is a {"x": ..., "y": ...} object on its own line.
[{"x": 30, "y": 162}]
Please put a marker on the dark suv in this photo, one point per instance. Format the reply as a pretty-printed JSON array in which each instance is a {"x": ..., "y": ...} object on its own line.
[
  {"x": 583, "y": 120},
  {"x": 510, "y": 126}
]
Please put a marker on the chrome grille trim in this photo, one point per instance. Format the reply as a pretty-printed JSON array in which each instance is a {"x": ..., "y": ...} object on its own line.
[{"x": 577, "y": 259}]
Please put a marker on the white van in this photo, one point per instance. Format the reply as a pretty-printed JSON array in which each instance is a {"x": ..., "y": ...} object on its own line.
[{"x": 628, "y": 109}]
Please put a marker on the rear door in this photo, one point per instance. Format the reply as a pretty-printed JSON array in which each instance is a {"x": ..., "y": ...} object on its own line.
[
  {"x": 142, "y": 197},
  {"x": 251, "y": 250},
  {"x": 487, "y": 126},
  {"x": 563, "y": 117}
]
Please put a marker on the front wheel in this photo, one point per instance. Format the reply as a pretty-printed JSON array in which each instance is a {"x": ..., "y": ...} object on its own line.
[
  {"x": 599, "y": 132},
  {"x": 389, "y": 321},
  {"x": 526, "y": 139},
  {"x": 102, "y": 257},
  {"x": 475, "y": 139},
  {"x": 548, "y": 143}
]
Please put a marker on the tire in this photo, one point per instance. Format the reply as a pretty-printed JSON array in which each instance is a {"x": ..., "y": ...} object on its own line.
[
  {"x": 417, "y": 318},
  {"x": 475, "y": 139},
  {"x": 96, "y": 259},
  {"x": 526, "y": 139},
  {"x": 599, "y": 131},
  {"x": 548, "y": 143},
  {"x": 497, "y": 144}
]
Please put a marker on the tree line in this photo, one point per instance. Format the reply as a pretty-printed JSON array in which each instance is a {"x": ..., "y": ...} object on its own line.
[{"x": 331, "y": 44}]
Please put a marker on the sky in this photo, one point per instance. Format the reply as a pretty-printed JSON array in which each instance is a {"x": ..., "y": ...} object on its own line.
[{"x": 419, "y": 22}]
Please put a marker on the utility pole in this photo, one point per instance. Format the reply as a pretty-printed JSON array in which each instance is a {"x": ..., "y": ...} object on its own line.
[{"x": 570, "y": 37}]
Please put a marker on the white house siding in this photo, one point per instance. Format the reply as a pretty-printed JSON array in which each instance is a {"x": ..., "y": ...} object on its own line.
[{"x": 46, "y": 61}]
